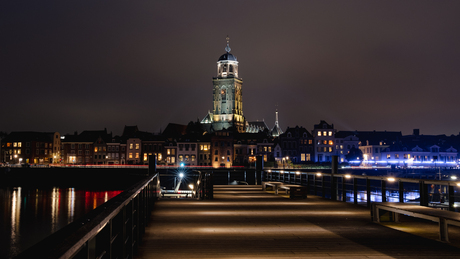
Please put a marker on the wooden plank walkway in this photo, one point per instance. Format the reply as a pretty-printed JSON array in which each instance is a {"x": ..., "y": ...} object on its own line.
[{"x": 246, "y": 222}]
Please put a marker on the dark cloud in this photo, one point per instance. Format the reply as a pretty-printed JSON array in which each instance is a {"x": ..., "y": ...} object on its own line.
[{"x": 386, "y": 65}]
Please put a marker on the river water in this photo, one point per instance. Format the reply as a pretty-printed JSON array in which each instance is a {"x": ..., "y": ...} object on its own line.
[{"x": 28, "y": 215}]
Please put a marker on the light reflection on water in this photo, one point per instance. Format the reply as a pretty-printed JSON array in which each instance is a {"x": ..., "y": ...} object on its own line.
[{"x": 29, "y": 215}]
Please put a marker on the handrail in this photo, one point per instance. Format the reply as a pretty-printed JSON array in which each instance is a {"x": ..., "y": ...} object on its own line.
[
  {"x": 80, "y": 235},
  {"x": 370, "y": 177},
  {"x": 336, "y": 186}
]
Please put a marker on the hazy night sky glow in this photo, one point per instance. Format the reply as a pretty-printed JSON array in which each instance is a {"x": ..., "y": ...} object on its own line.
[{"x": 361, "y": 65}]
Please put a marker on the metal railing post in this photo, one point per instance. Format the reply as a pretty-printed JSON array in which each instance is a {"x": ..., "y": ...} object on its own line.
[
  {"x": 344, "y": 189},
  {"x": 401, "y": 191},
  {"x": 333, "y": 188},
  {"x": 384, "y": 190},
  {"x": 423, "y": 193},
  {"x": 334, "y": 171},
  {"x": 451, "y": 197},
  {"x": 355, "y": 190},
  {"x": 152, "y": 164},
  {"x": 322, "y": 186},
  {"x": 315, "y": 188},
  {"x": 259, "y": 168},
  {"x": 368, "y": 192}
]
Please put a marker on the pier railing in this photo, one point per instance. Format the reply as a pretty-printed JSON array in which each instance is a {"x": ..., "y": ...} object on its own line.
[
  {"x": 362, "y": 189},
  {"x": 112, "y": 230}
]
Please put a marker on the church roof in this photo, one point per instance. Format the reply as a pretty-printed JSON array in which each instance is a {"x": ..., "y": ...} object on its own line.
[
  {"x": 227, "y": 56},
  {"x": 276, "y": 131}
]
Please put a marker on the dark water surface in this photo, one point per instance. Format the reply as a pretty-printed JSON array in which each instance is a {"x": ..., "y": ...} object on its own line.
[{"x": 28, "y": 215}]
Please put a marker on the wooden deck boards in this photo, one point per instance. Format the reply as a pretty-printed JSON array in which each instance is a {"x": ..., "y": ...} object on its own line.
[{"x": 245, "y": 222}]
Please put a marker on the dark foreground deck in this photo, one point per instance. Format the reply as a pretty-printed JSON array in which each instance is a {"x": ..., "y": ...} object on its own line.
[{"x": 245, "y": 222}]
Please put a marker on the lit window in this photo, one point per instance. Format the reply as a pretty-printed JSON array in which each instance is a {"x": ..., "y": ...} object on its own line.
[
  {"x": 137, "y": 155},
  {"x": 130, "y": 155},
  {"x": 193, "y": 157},
  {"x": 205, "y": 147},
  {"x": 319, "y": 133},
  {"x": 330, "y": 133},
  {"x": 330, "y": 149},
  {"x": 95, "y": 149},
  {"x": 145, "y": 156},
  {"x": 19, "y": 144},
  {"x": 137, "y": 146},
  {"x": 15, "y": 144},
  {"x": 173, "y": 159},
  {"x": 331, "y": 142},
  {"x": 168, "y": 151},
  {"x": 131, "y": 146},
  {"x": 181, "y": 158},
  {"x": 324, "y": 133}
]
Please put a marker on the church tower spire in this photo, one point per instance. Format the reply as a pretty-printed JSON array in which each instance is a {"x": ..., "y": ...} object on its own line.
[
  {"x": 228, "y": 93},
  {"x": 276, "y": 131}
]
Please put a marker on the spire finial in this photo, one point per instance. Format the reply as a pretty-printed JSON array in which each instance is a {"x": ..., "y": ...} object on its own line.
[{"x": 228, "y": 49}]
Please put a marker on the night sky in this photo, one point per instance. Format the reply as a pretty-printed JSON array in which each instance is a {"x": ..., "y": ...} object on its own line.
[{"x": 362, "y": 65}]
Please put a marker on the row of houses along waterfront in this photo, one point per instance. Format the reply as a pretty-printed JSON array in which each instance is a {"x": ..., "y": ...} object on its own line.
[
  {"x": 224, "y": 137},
  {"x": 191, "y": 145}
]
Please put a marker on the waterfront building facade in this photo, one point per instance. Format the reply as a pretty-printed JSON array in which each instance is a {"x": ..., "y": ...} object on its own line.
[
  {"x": 296, "y": 145},
  {"x": 222, "y": 148},
  {"x": 28, "y": 147},
  {"x": 324, "y": 134}
]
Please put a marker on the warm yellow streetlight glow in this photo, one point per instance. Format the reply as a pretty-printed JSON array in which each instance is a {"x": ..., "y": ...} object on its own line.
[
  {"x": 391, "y": 179},
  {"x": 190, "y": 186},
  {"x": 347, "y": 176},
  {"x": 297, "y": 173},
  {"x": 318, "y": 174}
]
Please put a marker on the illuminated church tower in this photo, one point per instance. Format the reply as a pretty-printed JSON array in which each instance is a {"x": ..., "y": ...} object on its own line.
[{"x": 227, "y": 95}]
